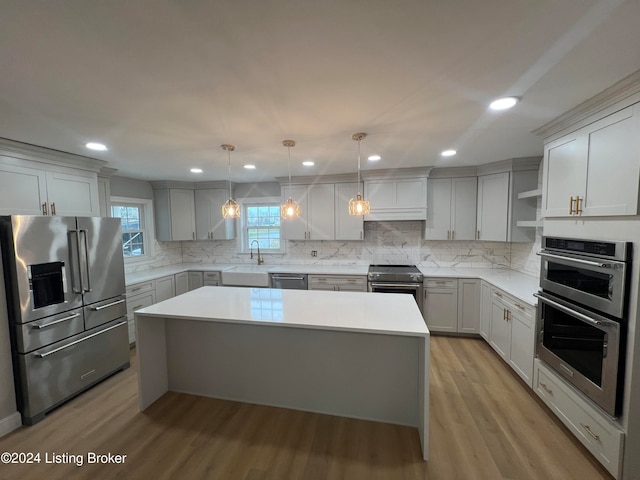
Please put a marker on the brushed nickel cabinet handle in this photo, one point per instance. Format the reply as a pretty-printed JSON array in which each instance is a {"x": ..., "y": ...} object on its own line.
[
  {"x": 590, "y": 432},
  {"x": 546, "y": 388}
]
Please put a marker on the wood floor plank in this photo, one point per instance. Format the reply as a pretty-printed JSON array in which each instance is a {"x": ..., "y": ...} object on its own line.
[{"x": 485, "y": 424}]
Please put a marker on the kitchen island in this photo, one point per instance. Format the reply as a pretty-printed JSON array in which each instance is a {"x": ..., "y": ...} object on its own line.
[{"x": 352, "y": 354}]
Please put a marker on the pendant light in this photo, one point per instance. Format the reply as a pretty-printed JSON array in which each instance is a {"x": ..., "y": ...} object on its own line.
[
  {"x": 358, "y": 205},
  {"x": 289, "y": 209},
  {"x": 230, "y": 209}
]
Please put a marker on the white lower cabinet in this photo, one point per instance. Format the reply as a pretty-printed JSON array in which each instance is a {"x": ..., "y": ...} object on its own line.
[
  {"x": 165, "y": 288},
  {"x": 452, "y": 305},
  {"x": 211, "y": 279},
  {"x": 512, "y": 332},
  {"x": 182, "y": 283},
  {"x": 485, "y": 310},
  {"x": 603, "y": 438},
  {"x": 196, "y": 280},
  {"x": 139, "y": 295},
  {"x": 338, "y": 283}
]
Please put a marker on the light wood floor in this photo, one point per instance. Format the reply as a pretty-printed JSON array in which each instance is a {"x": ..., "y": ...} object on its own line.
[{"x": 485, "y": 424}]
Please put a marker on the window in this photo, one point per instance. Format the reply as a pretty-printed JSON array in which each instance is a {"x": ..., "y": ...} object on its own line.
[
  {"x": 134, "y": 219},
  {"x": 261, "y": 222}
]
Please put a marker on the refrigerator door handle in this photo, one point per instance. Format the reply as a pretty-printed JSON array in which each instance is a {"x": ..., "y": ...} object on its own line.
[
  {"x": 75, "y": 262},
  {"x": 86, "y": 260}
]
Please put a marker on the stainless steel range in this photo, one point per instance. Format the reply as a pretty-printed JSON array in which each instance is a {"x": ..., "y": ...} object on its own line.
[{"x": 396, "y": 279}]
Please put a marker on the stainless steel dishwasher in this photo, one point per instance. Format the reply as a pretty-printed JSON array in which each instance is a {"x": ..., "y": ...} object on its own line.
[{"x": 294, "y": 281}]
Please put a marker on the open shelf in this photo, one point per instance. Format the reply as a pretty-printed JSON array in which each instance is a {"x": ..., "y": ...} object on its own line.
[
  {"x": 530, "y": 194},
  {"x": 529, "y": 223}
]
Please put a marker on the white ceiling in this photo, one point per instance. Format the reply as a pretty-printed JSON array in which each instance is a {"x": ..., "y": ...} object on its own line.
[{"x": 164, "y": 84}]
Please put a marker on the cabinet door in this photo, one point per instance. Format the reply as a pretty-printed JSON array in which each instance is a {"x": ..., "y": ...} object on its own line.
[
  {"x": 73, "y": 194},
  {"x": 196, "y": 280},
  {"x": 181, "y": 283},
  {"x": 348, "y": 227},
  {"x": 485, "y": 310},
  {"x": 463, "y": 208},
  {"x": 22, "y": 190},
  {"x": 210, "y": 225},
  {"x": 500, "y": 338},
  {"x": 296, "y": 228},
  {"x": 438, "y": 224},
  {"x": 468, "y": 305},
  {"x": 522, "y": 347},
  {"x": 321, "y": 212},
  {"x": 182, "y": 211},
  {"x": 493, "y": 207},
  {"x": 165, "y": 288},
  {"x": 440, "y": 309},
  {"x": 614, "y": 155},
  {"x": 565, "y": 167}
]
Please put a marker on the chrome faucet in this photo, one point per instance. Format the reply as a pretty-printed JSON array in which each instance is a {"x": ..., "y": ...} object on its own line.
[{"x": 260, "y": 259}]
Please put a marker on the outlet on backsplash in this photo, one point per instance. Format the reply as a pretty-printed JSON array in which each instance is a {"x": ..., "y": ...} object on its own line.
[{"x": 314, "y": 253}]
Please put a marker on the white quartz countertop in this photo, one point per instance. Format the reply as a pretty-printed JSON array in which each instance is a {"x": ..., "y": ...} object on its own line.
[
  {"x": 382, "y": 313},
  {"x": 151, "y": 274},
  {"x": 514, "y": 283}
]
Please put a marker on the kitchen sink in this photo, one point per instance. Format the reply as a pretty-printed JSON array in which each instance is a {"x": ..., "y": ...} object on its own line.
[{"x": 246, "y": 276}]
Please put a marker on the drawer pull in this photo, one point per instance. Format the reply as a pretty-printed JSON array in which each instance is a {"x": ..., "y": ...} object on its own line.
[
  {"x": 60, "y": 320},
  {"x": 441, "y": 282},
  {"x": 102, "y": 307},
  {"x": 521, "y": 307},
  {"x": 138, "y": 306},
  {"x": 497, "y": 294},
  {"x": 593, "y": 435},
  {"x": 135, "y": 289},
  {"x": 546, "y": 389}
]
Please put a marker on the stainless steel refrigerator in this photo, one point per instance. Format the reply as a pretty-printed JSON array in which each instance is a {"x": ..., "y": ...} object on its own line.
[{"x": 65, "y": 291}]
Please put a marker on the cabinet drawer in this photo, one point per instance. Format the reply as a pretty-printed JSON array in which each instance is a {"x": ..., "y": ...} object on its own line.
[
  {"x": 525, "y": 311},
  {"x": 136, "y": 302},
  {"x": 140, "y": 288},
  {"x": 441, "y": 282},
  {"x": 602, "y": 438},
  {"x": 339, "y": 280},
  {"x": 212, "y": 278}
]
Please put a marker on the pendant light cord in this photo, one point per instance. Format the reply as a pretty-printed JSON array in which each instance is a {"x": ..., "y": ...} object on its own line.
[
  {"x": 359, "y": 166},
  {"x": 229, "y": 155}
]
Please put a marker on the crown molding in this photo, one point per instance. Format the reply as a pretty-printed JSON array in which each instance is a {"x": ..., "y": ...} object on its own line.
[
  {"x": 312, "y": 179},
  {"x": 155, "y": 184},
  {"x": 383, "y": 174},
  {"x": 34, "y": 153},
  {"x": 617, "y": 96},
  {"x": 106, "y": 172},
  {"x": 453, "y": 172},
  {"x": 510, "y": 165}
]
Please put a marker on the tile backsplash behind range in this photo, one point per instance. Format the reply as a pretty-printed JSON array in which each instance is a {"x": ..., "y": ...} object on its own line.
[{"x": 385, "y": 242}]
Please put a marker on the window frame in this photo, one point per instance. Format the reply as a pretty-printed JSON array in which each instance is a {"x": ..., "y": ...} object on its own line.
[
  {"x": 148, "y": 228},
  {"x": 242, "y": 237}
]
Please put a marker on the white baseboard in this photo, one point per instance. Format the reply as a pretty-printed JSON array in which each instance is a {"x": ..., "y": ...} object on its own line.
[{"x": 10, "y": 423}]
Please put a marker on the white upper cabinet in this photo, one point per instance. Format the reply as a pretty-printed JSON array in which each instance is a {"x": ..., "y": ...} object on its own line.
[
  {"x": 493, "y": 207},
  {"x": 174, "y": 210},
  {"x": 397, "y": 196},
  {"x": 595, "y": 171},
  {"x": 210, "y": 225},
  {"x": 451, "y": 209},
  {"x": 31, "y": 188},
  {"x": 348, "y": 227},
  {"x": 316, "y": 220},
  {"x": 499, "y": 209}
]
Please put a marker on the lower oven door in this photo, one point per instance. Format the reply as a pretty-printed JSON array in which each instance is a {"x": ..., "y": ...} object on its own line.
[
  {"x": 414, "y": 289},
  {"x": 583, "y": 347}
]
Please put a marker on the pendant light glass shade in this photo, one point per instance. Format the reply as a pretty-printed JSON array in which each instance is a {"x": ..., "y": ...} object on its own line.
[
  {"x": 230, "y": 208},
  {"x": 289, "y": 209},
  {"x": 358, "y": 205}
]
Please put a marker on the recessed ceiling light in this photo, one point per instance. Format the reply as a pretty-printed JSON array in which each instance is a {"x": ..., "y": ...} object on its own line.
[
  {"x": 308, "y": 163},
  {"x": 448, "y": 153},
  {"x": 250, "y": 167},
  {"x": 503, "y": 103},
  {"x": 374, "y": 158},
  {"x": 96, "y": 146},
  {"x": 196, "y": 170}
]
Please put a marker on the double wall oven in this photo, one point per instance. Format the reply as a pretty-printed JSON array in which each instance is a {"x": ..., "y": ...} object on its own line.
[{"x": 582, "y": 315}]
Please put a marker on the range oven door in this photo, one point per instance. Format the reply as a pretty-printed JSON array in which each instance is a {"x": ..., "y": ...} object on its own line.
[
  {"x": 414, "y": 289},
  {"x": 596, "y": 283},
  {"x": 583, "y": 347}
]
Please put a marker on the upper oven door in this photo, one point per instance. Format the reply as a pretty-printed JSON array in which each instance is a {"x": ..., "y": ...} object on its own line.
[{"x": 599, "y": 284}]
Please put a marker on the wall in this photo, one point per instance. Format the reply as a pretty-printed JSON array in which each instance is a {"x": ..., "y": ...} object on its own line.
[{"x": 130, "y": 187}]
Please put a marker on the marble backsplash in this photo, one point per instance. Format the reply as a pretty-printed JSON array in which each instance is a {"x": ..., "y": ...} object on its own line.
[{"x": 384, "y": 242}]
